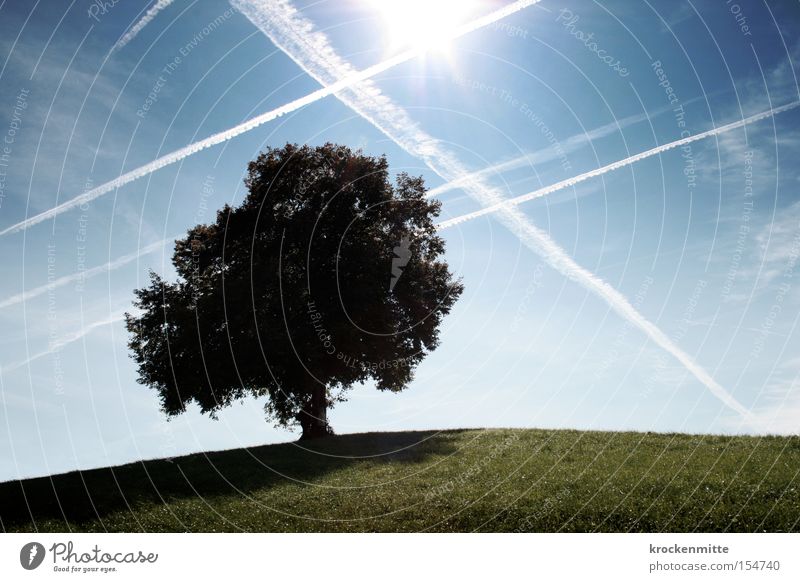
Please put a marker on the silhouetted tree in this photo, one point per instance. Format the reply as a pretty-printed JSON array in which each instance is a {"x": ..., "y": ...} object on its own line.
[{"x": 326, "y": 275}]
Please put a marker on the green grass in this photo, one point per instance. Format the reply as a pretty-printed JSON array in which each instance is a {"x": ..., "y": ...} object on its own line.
[{"x": 462, "y": 480}]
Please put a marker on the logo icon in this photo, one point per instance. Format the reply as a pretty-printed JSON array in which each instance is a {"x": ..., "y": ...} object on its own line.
[
  {"x": 31, "y": 555},
  {"x": 402, "y": 255}
]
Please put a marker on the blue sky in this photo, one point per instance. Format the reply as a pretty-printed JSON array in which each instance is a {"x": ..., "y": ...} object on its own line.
[{"x": 701, "y": 241}]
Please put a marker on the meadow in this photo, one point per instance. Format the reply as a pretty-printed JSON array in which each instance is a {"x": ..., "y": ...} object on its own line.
[{"x": 497, "y": 480}]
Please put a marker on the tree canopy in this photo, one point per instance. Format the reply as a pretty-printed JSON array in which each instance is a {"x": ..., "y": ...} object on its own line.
[{"x": 325, "y": 276}]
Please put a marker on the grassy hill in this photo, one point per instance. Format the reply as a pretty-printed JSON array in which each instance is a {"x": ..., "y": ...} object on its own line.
[{"x": 462, "y": 480}]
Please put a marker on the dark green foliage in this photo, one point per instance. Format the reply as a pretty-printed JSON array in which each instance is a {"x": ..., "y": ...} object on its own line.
[{"x": 288, "y": 294}]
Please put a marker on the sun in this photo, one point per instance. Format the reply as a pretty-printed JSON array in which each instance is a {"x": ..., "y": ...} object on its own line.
[{"x": 423, "y": 24}]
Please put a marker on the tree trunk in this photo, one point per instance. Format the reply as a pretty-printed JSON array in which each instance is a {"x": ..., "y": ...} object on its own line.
[{"x": 314, "y": 416}]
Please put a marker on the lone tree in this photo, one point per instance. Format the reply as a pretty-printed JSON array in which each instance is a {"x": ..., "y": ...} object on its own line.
[{"x": 326, "y": 275}]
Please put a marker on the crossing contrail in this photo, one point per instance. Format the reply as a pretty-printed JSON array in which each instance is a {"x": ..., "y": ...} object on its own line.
[
  {"x": 311, "y": 50},
  {"x": 55, "y": 346},
  {"x": 82, "y": 275},
  {"x": 557, "y": 150},
  {"x": 151, "y": 13},
  {"x": 351, "y": 79},
  {"x": 511, "y": 202}
]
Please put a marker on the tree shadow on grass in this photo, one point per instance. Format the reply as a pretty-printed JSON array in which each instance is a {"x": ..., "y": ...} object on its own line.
[{"x": 86, "y": 496}]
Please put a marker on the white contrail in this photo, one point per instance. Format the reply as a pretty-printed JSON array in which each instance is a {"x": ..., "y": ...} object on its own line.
[
  {"x": 66, "y": 280},
  {"x": 494, "y": 170},
  {"x": 331, "y": 88},
  {"x": 68, "y": 339},
  {"x": 553, "y": 152},
  {"x": 613, "y": 166},
  {"x": 311, "y": 50},
  {"x": 556, "y": 150},
  {"x": 151, "y": 13}
]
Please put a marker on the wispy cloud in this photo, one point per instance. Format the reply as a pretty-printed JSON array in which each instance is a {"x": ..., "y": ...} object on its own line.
[
  {"x": 352, "y": 78},
  {"x": 80, "y": 276},
  {"x": 778, "y": 246},
  {"x": 778, "y": 409},
  {"x": 311, "y": 50},
  {"x": 779, "y": 419}
]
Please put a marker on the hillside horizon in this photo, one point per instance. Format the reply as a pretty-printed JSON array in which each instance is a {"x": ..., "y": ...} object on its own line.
[{"x": 453, "y": 480}]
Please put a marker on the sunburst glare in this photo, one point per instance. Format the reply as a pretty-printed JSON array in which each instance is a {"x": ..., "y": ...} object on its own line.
[{"x": 423, "y": 24}]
